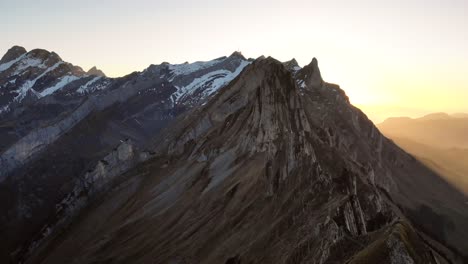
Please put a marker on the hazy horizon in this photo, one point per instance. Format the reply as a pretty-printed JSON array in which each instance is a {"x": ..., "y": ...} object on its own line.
[{"x": 403, "y": 58}]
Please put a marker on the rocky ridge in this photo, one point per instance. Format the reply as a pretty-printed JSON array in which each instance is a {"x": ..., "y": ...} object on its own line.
[
  {"x": 266, "y": 164},
  {"x": 68, "y": 131}
]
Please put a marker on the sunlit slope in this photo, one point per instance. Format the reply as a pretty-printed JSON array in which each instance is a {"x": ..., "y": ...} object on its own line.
[
  {"x": 438, "y": 140},
  {"x": 450, "y": 163}
]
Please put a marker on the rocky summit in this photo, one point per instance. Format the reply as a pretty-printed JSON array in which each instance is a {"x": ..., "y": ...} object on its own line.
[{"x": 232, "y": 160}]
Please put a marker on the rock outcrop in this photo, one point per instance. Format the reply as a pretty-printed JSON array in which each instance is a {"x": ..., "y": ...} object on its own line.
[
  {"x": 96, "y": 72},
  {"x": 12, "y": 54}
]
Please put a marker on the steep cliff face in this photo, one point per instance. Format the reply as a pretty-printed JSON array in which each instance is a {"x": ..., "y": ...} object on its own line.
[{"x": 277, "y": 167}]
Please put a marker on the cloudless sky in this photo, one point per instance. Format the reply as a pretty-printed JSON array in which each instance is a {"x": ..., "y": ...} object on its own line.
[{"x": 392, "y": 58}]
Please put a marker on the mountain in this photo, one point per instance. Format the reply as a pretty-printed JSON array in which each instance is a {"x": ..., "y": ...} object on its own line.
[
  {"x": 450, "y": 163},
  {"x": 225, "y": 161},
  {"x": 48, "y": 143},
  {"x": 435, "y": 116},
  {"x": 460, "y": 115},
  {"x": 29, "y": 76},
  {"x": 440, "y": 129},
  {"x": 96, "y": 72},
  {"x": 438, "y": 140}
]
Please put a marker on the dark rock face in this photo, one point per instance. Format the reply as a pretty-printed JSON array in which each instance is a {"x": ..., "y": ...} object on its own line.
[
  {"x": 224, "y": 161},
  {"x": 12, "y": 54},
  {"x": 311, "y": 76},
  {"x": 292, "y": 65},
  {"x": 95, "y": 71}
]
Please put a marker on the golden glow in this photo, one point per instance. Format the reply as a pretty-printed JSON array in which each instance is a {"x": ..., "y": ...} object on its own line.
[{"x": 391, "y": 55}]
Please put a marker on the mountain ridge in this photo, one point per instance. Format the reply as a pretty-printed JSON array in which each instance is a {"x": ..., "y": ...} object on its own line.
[
  {"x": 65, "y": 123},
  {"x": 446, "y": 131},
  {"x": 428, "y": 117},
  {"x": 233, "y": 161}
]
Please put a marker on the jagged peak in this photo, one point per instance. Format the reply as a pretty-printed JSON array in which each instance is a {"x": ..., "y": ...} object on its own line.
[
  {"x": 292, "y": 65},
  {"x": 311, "y": 75},
  {"x": 263, "y": 84},
  {"x": 12, "y": 54},
  {"x": 237, "y": 54},
  {"x": 314, "y": 62},
  {"x": 95, "y": 71},
  {"x": 19, "y": 59},
  {"x": 43, "y": 54},
  {"x": 293, "y": 62},
  {"x": 313, "y": 67},
  {"x": 262, "y": 70},
  {"x": 267, "y": 63}
]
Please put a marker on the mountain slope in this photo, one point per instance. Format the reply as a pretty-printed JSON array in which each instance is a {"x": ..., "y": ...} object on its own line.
[
  {"x": 51, "y": 144},
  {"x": 277, "y": 167}
]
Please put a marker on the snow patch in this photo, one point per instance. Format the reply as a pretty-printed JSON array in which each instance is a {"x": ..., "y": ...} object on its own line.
[
  {"x": 23, "y": 90},
  {"x": 212, "y": 82},
  {"x": 28, "y": 63},
  {"x": 63, "y": 81},
  {"x": 55, "y": 66},
  {"x": 4, "y": 108},
  {"x": 7, "y": 65},
  {"x": 187, "y": 68},
  {"x": 301, "y": 84},
  {"x": 86, "y": 87}
]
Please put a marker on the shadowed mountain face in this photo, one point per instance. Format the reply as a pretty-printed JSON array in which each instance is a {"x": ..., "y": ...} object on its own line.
[
  {"x": 51, "y": 143},
  {"x": 226, "y": 161},
  {"x": 438, "y": 140}
]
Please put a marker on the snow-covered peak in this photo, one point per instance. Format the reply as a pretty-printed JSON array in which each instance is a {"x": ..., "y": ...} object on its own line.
[
  {"x": 40, "y": 73},
  {"x": 197, "y": 81},
  {"x": 32, "y": 62},
  {"x": 188, "y": 68},
  {"x": 209, "y": 83}
]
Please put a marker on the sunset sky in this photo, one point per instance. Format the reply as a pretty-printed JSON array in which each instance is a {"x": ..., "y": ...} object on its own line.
[{"x": 393, "y": 58}]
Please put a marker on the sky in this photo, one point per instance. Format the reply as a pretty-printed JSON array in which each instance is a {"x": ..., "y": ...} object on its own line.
[{"x": 392, "y": 58}]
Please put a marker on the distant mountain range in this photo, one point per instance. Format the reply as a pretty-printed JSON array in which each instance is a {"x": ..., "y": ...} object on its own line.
[
  {"x": 439, "y": 129},
  {"x": 231, "y": 160},
  {"x": 439, "y": 140}
]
